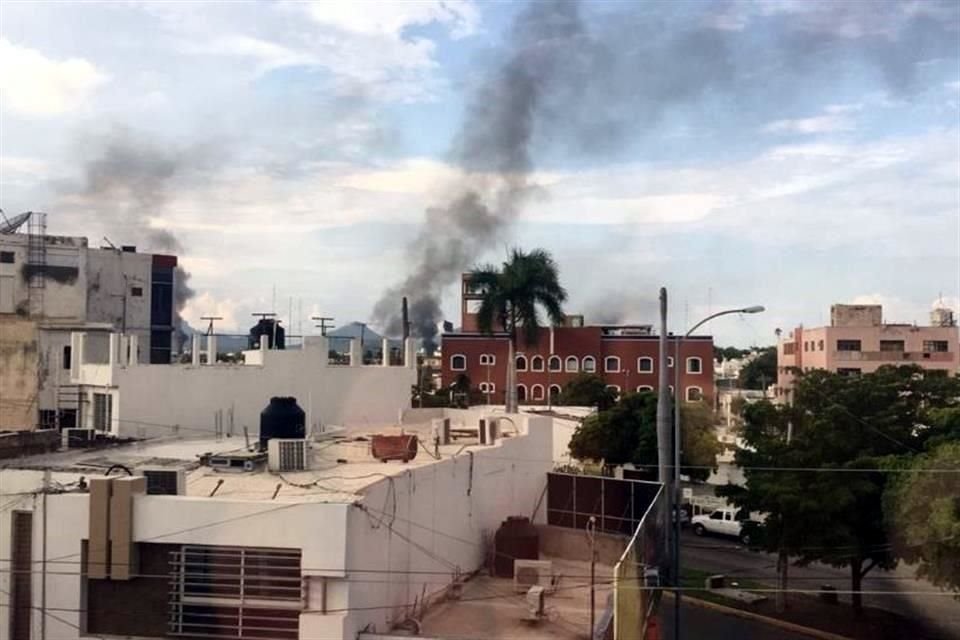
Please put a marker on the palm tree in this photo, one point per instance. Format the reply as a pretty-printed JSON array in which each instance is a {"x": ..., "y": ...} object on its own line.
[{"x": 512, "y": 297}]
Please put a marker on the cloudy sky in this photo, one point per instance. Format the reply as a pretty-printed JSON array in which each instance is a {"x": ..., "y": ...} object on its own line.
[{"x": 790, "y": 154}]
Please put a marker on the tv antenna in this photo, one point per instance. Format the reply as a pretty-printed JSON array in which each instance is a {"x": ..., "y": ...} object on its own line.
[
  {"x": 210, "y": 326},
  {"x": 323, "y": 320}
]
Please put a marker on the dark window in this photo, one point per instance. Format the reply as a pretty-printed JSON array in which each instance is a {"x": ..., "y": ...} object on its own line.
[
  {"x": 160, "y": 346},
  {"x": 102, "y": 411},
  {"x": 820, "y": 345},
  {"x": 645, "y": 365},
  {"x": 935, "y": 346},
  {"x": 716, "y": 515},
  {"x": 6, "y": 257},
  {"x": 848, "y": 345},
  {"x": 789, "y": 348},
  {"x": 48, "y": 418},
  {"x": 554, "y": 363},
  {"x": 891, "y": 345},
  {"x": 458, "y": 363},
  {"x": 136, "y": 292},
  {"x": 67, "y": 357},
  {"x": 848, "y": 371}
]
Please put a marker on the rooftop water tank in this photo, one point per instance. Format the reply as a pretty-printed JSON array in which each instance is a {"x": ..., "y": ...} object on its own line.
[
  {"x": 269, "y": 329},
  {"x": 283, "y": 418}
]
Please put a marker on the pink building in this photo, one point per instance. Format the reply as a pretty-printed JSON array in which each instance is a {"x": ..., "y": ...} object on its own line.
[{"x": 857, "y": 341}]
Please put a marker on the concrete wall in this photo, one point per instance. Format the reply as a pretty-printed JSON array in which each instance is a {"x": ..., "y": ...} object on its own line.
[
  {"x": 111, "y": 275},
  {"x": 158, "y": 400},
  {"x": 64, "y": 296},
  {"x": 422, "y": 527},
  {"x": 19, "y": 367}
]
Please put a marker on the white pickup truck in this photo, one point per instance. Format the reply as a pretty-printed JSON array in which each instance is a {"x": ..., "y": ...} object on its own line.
[{"x": 726, "y": 522}]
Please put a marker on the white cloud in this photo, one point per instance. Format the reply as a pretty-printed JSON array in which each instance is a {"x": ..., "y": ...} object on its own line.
[
  {"x": 34, "y": 85},
  {"x": 392, "y": 18},
  {"x": 204, "y": 304},
  {"x": 834, "y": 118}
]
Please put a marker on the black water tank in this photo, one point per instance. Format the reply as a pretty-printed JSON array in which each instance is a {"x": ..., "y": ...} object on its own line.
[
  {"x": 283, "y": 418},
  {"x": 516, "y": 539},
  {"x": 271, "y": 330}
]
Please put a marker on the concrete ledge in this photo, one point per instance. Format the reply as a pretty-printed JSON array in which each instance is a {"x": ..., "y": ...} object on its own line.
[{"x": 749, "y": 615}]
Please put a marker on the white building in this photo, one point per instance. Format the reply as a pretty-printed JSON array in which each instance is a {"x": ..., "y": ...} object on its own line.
[
  {"x": 350, "y": 544},
  {"x": 51, "y": 286},
  {"x": 123, "y": 397}
]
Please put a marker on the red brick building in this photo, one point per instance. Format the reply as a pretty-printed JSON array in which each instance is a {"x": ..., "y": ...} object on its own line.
[{"x": 626, "y": 357}]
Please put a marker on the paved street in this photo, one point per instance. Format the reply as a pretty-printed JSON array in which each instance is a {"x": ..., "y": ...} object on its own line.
[
  {"x": 917, "y": 599},
  {"x": 698, "y": 623}
]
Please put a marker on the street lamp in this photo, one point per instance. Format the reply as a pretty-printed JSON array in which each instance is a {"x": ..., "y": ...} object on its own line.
[{"x": 676, "y": 452}]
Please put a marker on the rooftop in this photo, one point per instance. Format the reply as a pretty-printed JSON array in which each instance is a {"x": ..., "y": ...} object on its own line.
[{"x": 341, "y": 465}]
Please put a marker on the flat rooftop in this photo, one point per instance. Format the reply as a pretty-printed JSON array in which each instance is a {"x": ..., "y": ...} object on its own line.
[{"x": 341, "y": 465}]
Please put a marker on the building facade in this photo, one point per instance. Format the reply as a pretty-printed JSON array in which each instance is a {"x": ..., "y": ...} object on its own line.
[
  {"x": 858, "y": 341},
  {"x": 51, "y": 286},
  {"x": 626, "y": 357}
]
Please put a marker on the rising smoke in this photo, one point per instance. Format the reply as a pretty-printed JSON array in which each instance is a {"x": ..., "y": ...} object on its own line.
[
  {"x": 128, "y": 183},
  {"x": 560, "y": 84}
]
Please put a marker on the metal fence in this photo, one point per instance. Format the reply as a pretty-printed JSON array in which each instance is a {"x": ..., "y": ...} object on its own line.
[
  {"x": 636, "y": 577},
  {"x": 618, "y": 505}
]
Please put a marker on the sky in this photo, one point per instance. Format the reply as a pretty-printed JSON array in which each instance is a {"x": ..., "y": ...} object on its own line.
[{"x": 791, "y": 154}]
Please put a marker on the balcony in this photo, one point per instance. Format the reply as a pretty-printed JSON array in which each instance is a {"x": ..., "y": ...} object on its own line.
[{"x": 904, "y": 357}]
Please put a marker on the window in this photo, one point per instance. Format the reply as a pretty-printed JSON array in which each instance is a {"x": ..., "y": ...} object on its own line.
[
  {"x": 521, "y": 393},
  {"x": 644, "y": 388},
  {"x": 488, "y": 387},
  {"x": 848, "y": 371},
  {"x": 891, "y": 345},
  {"x": 536, "y": 392},
  {"x": 229, "y": 592},
  {"x": 848, "y": 345},
  {"x": 488, "y": 359},
  {"x": 67, "y": 357},
  {"x": 694, "y": 365},
  {"x": 136, "y": 292},
  {"x": 694, "y": 394},
  {"x": 554, "y": 363},
  {"x": 102, "y": 411},
  {"x": 669, "y": 361},
  {"x": 615, "y": 389},
  {"x": 555, "y": 391},
  {"x": 716, "y": 515},
  {"x": 589, "y": 364},
  {"x": 573, "y": 365},
  {"x": 935, "y": 346},
  {"x": 645, "y": 365},
  {"x": 820, "y": 345},
  {"x": 6, "y": 257},
  {"x": 521, "y": 363},
  {"x": 536, "y": 363},
  {"x": 611, "y": 364},
  {"x": 458, "y": 362},
  {"x": 789, "y": 348},
  {"x": 806, "y": 346}
]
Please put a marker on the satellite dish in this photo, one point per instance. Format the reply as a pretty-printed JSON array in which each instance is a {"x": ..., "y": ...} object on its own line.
[{"x": 14, "y": 223}]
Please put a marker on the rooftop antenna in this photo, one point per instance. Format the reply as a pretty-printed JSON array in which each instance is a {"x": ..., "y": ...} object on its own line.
[
  {"x": 323, "y": 326},
  {"x": 107, "y": 240},
  {"x": 10, "y": 225},
  {"x": 210, "y": 326}
]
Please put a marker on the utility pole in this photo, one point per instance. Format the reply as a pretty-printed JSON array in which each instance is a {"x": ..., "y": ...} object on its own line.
[
  {"x": 663, "y": 423},
  {"x": 211, "y": 320},
  {"x": 592, "y": 535}
]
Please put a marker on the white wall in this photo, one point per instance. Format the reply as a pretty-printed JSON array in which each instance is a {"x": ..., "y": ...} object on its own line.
[
  {"x": 111, "y": 275},
  {"x": 448, "y": 513}
]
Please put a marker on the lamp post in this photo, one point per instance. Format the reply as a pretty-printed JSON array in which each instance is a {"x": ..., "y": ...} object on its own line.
[{"x": 676, "y": 453}]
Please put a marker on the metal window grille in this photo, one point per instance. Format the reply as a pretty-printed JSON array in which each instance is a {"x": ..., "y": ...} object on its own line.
[{"x": 231, "y": 592}]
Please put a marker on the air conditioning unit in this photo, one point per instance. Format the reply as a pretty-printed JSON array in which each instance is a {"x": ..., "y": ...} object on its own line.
[
  {"x": 529, "y": 573},
  {"x": 162, "y": 481},
  {"x": 79, "y": 438},
  {"x": 287, "y": 454}
]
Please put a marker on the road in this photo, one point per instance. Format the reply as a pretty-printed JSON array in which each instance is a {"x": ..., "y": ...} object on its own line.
[
  {"x": 698, "y": 623},
  {"x": 903, "y": 593}
]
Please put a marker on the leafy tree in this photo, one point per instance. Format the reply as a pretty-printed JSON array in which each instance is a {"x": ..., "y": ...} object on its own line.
[
  {"x": 854, "y": 424},
  {"x": 923, "y": 515},
  {"x": 729, "y": 353},
  {"x": 627, "y": 432},
  {"x": 512, "y": 297},
  {"x": 587, "y": 390},
  {"x": 760, "y": 372}
]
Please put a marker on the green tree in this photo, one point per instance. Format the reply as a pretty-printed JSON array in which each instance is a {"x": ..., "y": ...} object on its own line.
[
  {"x": 855, "y": 425},
  {"x": 760, "y": 372},
  {"x": 587, "y": 390},
  {"x": 923, "y": 515},
  {"x": 627, "y": 432},
  {"x": 512, "y": 297},
  {"x": 728, "y": 353}
]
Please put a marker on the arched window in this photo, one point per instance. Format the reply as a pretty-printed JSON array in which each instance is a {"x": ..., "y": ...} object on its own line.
[
  {"x": 458, "y": 362},
  {"x": 669, "y": 361},
  {"x": 521, "y": 393},
  {"x": 554, "y": 363},
  {"x": 536, "y": 363},
  {"x": 611, "y": 364},
  {"x": 694, "y": 365},
  {"x": 488, "y": 387},
  {"x": 573, "y": 365},
  {"x": 589, "y": 364},
  {"x": 644, "y": 387},
  {"x": 671, "y": 390},
  {"x": 555, "y": 391},
  {"x": 645, "y": 365},
  {"x": 536, "y": 392},
  {"x": 615, "y": 389},
  {"x": 521, "y": 362},
  {"x": 694, "y": 394},
  {"x": 488, "y": 359}
]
